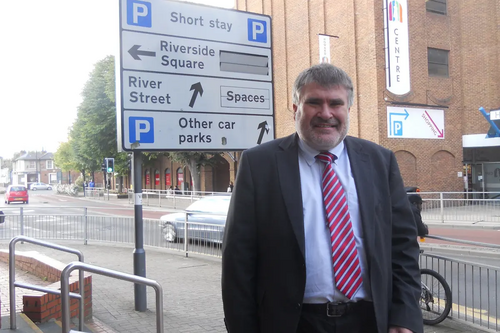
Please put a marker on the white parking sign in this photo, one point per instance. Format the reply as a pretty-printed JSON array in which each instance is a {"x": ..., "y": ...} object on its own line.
[{"x": 193, "y": 77}]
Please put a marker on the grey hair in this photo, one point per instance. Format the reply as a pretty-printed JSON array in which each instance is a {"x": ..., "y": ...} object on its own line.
[{"x": 326, "y": 75}]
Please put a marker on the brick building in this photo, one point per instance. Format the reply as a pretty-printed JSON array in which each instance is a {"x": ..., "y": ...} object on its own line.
[
  {"x": 163, "y": 173},
  {"x": 452, "y": 48}
]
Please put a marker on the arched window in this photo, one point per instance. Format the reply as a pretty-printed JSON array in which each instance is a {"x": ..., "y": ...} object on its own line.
[
  {"x": 180, "y": 177},
  {"x": 157, "y": 177},
  {"x": 168, "y": 180}
]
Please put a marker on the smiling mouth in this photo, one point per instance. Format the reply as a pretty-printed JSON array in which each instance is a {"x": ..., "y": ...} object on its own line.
[{"x": 325, "y": 125}]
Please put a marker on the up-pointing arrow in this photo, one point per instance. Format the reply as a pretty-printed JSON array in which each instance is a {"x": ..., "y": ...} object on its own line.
[
  {"x": 198, "y": 89},
  {"x": 263, "y": 127}
]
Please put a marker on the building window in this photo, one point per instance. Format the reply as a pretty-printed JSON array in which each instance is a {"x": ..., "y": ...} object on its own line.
[
  {"x": 49, "y": 164},
  {"x": 438, "y": 62},
  {"x": 436, "y": 6},
  {"x": 30, "y": 165},
  {"x": 168, "y": 180}
]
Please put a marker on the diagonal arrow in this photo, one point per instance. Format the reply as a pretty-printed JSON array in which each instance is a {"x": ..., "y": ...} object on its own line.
[
  {"x": 198, "y": 89},
  {"x": 135, "y": 52},
  {"x": 406, "y": 114},
  {"x": 441, "y": 133},
  {"x": 263, "y": 127}
]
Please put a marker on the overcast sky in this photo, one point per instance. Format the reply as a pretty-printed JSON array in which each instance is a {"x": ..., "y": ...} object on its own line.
[{"x": 49, "y": 49}]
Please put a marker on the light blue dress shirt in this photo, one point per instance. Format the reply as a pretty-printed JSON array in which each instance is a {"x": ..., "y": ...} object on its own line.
[{"x": 320, "y": 283}]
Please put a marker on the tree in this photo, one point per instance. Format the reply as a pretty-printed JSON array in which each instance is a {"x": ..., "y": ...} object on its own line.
[
  {"x": 94, "y": 131},
  {"x": 194, "y": 161},
  {"x": 64, "y": 157}
]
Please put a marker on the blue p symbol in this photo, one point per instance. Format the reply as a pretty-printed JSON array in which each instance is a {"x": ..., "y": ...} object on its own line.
[
  {"x": 398, "y": 128},
  {"x": 139, "y": 13},
  {"x": 141, "y": 129},
  {"x": 257, "y": 31}
]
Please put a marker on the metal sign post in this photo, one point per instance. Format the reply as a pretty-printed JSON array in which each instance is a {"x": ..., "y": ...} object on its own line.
[{"x": 139, "y": 253}]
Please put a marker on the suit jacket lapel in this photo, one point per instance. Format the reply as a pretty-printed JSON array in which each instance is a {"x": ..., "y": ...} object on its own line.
[
  {"x": 362, "y": 171},
  {"x": 289, "y": 179}
]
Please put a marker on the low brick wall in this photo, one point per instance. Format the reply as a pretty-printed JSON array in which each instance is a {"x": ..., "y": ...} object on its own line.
[{"x": 39, "y": 306}]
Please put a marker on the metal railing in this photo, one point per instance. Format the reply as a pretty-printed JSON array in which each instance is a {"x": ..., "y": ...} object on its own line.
[
  {"x": 475, "y": 287},
  {"x": 170, "y": 199},
  {"x": 87, "y": 227},
  {"x": 13, "y": 284},
  {"x": 110, "y": 273},
  {"x": 459, "y": 207}
]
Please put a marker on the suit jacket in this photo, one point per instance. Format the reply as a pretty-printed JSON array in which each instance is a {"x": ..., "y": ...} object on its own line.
[{"x": 263, "y": 261}]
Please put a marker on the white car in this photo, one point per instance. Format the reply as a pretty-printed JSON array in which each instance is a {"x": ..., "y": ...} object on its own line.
[
  {"x": 40, "y": 186},
  {"x": 207, "y": 218}
]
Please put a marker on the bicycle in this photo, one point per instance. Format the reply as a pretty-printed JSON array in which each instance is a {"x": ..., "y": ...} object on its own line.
[{"x": 435, "y": 297}]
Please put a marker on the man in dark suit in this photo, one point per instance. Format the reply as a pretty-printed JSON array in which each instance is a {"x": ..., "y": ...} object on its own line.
[{"x": 281, "y": 270}]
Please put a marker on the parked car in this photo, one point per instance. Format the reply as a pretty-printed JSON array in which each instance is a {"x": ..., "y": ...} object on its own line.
[
  {"x": 207, "y": 217},
  {"x": 40, "y": 186},
  {"x": 16, "y": 193}
]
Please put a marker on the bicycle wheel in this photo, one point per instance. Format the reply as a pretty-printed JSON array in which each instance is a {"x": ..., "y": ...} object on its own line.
[{"x": 435, "y": 298}]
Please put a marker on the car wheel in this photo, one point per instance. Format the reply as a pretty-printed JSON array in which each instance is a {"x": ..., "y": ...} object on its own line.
[
  {"x": 34, "y": 188},
  {"x": 49, "y": 188},
  {"x": 8, "y": 202},
  {"x": 169, "y": 233},
  {"x": 27, "y": 202}
]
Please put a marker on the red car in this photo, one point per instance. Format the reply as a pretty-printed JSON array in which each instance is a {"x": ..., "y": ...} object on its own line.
[{"x": 16, "y": 193}]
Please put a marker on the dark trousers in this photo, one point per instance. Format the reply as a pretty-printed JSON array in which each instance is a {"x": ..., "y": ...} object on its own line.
[{"x": 360, "y": 320}]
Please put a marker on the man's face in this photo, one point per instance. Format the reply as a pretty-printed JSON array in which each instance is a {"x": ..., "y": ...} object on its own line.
[{"x": 322, "y": 116}]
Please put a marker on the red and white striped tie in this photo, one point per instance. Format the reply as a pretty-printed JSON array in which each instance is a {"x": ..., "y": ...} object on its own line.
[{"x": 345, "y": 258}]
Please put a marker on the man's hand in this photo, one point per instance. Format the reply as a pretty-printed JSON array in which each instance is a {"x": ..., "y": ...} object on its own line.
[{"x": 399, "y": 330}]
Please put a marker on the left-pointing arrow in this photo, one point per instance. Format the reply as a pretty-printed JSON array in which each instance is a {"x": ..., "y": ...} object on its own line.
[{"x": 135, "y": 52}]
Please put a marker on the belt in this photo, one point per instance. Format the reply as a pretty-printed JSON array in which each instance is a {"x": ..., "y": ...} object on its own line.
[{"x": 335, "y": 309}]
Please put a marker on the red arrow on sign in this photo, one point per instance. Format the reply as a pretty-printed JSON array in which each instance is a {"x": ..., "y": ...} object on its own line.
[{"x": 440, "y": 132}]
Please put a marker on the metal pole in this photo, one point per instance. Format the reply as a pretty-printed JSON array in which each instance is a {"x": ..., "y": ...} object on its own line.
[
  {"x": 66, "y": 325},
  {"x": 139, "y": 253},
  {"x": 21, "y": 220},
  {"x": 85, "y": 226},
  {"x": 108, "y": 183},
  {"x": 186, "y": 239},
  {"x": 441, "y": 204}
]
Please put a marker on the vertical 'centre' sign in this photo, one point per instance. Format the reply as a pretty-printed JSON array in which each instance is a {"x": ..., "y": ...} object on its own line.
[{"x": 397, "y": 54}]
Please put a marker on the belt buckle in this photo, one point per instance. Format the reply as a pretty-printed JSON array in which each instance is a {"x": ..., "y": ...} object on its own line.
[{"x": 336, "y": 310}]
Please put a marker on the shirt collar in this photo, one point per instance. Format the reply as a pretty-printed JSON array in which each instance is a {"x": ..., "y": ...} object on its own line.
[{"x": 309, "y": 154}]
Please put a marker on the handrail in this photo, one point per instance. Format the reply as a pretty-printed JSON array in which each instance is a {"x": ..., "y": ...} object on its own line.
[
  {"x": 12, "y": 276},
  {"x": 495, "y": 246},
  {"x": 110, "y": 273}
]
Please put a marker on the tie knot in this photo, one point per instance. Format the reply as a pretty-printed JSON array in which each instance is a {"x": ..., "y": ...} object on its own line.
[{"x": 326, "y": 157}]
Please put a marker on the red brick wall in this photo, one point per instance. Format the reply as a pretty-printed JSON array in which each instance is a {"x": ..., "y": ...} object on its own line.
[
  {"x": 40, "y": 306},
  {"x": 469, "y": 31}
]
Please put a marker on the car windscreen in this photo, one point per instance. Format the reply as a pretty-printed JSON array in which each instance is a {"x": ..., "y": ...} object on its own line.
[
  {"x": 211, "y": 205},
  {"x": 17, "y": 188}
]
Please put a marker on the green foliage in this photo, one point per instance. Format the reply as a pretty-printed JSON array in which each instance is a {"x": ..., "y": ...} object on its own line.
[
  {"x": 64, "y": 157},
  {"x": 94, "y": 131}
]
